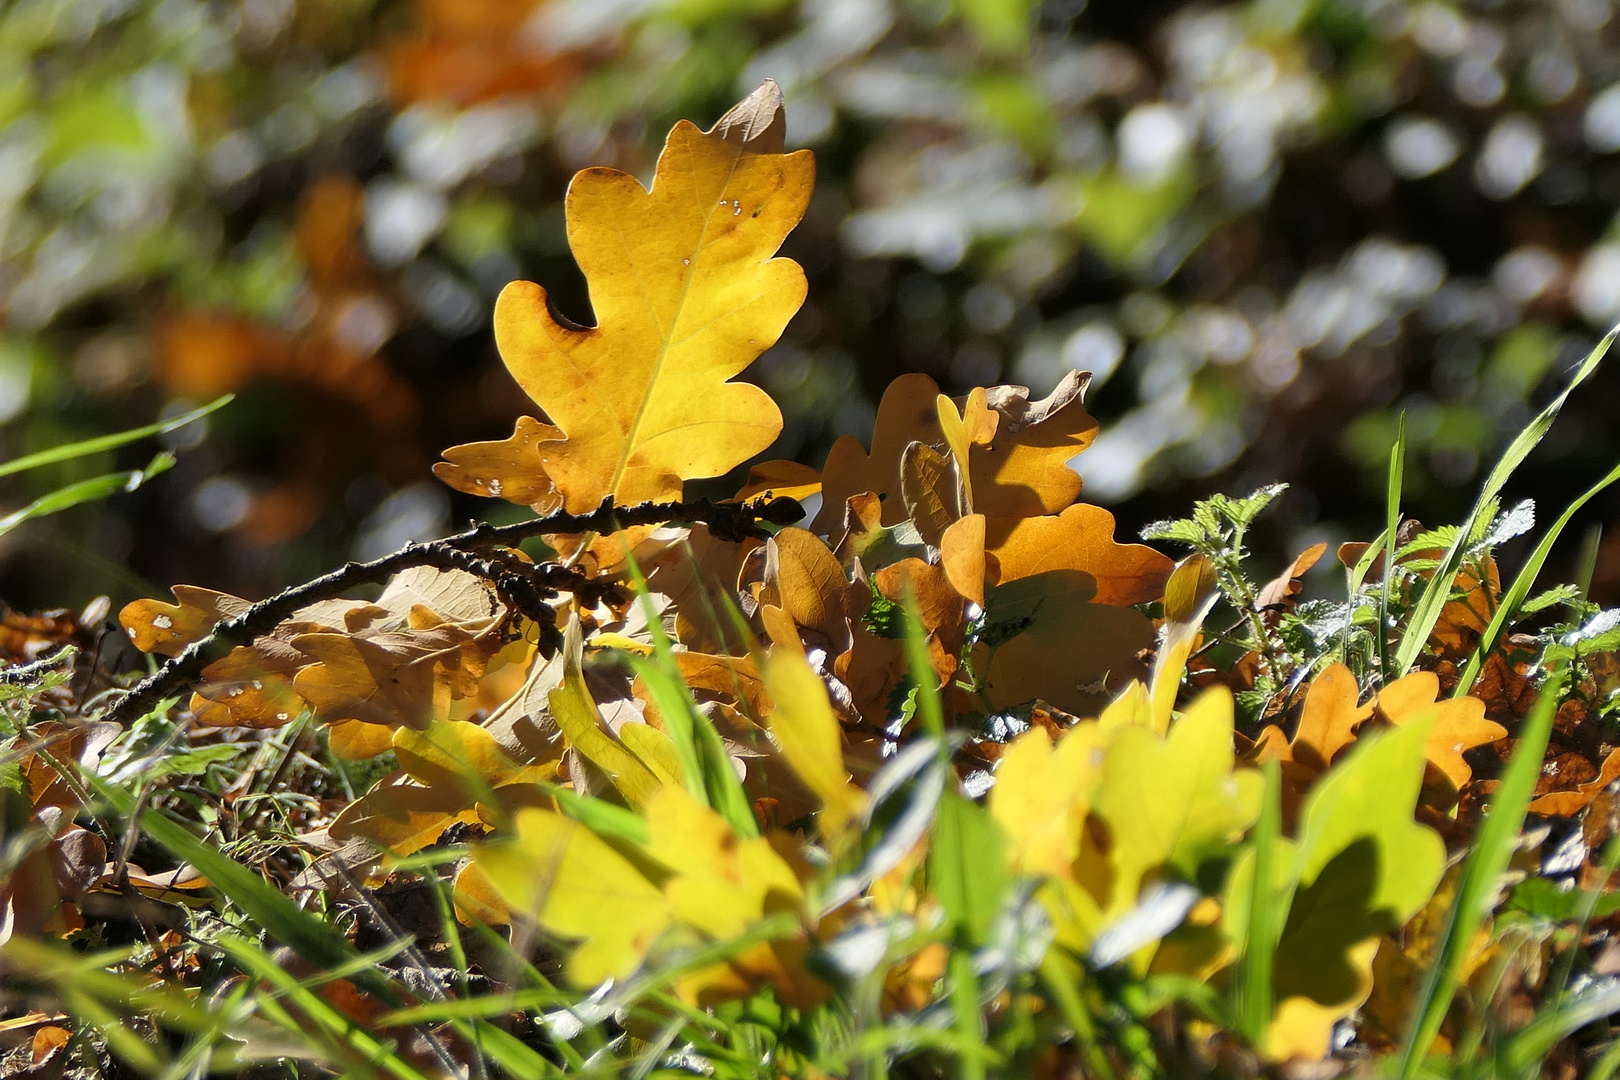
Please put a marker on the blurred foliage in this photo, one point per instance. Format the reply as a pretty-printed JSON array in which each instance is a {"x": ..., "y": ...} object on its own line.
[{"x": 1268, "y": 228}]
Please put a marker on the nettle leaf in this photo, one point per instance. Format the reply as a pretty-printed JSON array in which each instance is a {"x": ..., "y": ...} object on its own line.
[
  {"x": 1516, "y": 521},
  {"x": 1180, "y": 531},
  {"x": 1558, "y": 594},
  {"x": 686, "y": 295}
]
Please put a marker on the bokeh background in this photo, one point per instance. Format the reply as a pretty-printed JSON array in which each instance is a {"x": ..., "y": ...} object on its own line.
[{"x": 1269, "y": 228}]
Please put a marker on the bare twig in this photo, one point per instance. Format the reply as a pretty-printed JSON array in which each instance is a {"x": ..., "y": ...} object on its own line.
[{"x": 525, "y": 587}]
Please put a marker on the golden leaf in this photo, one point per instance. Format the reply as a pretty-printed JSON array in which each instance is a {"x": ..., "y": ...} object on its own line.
[
  {"x": 808, "y": 734},
  {"x": 686, "y": 294},
  {"x": 572, "y": 883}
]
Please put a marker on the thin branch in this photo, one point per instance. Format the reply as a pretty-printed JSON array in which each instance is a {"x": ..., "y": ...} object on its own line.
[{"x": 524, "y": 587}]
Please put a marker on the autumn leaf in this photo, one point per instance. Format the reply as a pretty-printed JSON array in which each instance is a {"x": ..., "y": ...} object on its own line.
[
  {"x": 908, "y": 412},
  {"x": 167, "y": 629},
  {"x": 1022, "y": 471},
  {"x": 1331, "y": 716},
  {"x": 581, "y": 724},
  {"x": 686, "y": 294},
  {"x": 576, "y": 886},
  {"x": 1458, "y": 723},
  {"x": 1362, "y": 867},
  {"x": 453, "y": 766},
  {"x": 1174, "y": 801},
  {"x": 1042, "y": 796},
  {"x": 1061, "y": 584},
  {"x": 808, "y": 734}
]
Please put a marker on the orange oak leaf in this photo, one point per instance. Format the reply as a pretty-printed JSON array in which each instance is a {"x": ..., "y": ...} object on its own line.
[
  {"x": 1061, "y": 586},
  {"x": 907, "y": 413},
  {"x": 1080, "y": 538},
  {"x": 1459, "y": 723},
  {"x": 168, "y": 628},
  {"x": 686, "y": 293},
  {"x": 1280, "y": 592},
  {"x": 1329, "y": 721},
  {"x": 1022, "y": 471},
  {"x": 804, "y": 578}
]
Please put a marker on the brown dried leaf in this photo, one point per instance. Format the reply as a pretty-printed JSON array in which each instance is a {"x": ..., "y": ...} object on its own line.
[{"x": 906, "y": 414}]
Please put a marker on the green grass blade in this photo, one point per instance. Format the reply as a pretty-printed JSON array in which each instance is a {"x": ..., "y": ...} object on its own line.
[
  {"x": 1508, "y": 606},
  {"x": 283, "y": 920},
  {"x": 1392, "y": 521},
  {"x": 109, "y": 442},
  {"x": 669, "y": 691},
  {"x": 1494, "y": 845},
  {"x": 1254, "y": 986},
  {"x": 515, "y": 1058},
  {"x": 930, "y": 710},
  {"x": 91, "y": 490},
  {"x": 602, "y": 818},
  {"x": 314, "y": 1011},
  {"x": 1438, "y": 590},
  {"x": 969, "y": 1024},
  {"x": 1608, "y": 1064}
]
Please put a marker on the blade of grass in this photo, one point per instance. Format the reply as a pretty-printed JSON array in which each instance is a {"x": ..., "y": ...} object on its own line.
[
  {"x": 1586, "y": 562},
  {"x": 1583, "y": 918},
  {"x": 970, "y": 1054},
  {"x": 1494, "y": 845},
  {"x": 1438, "y": 590},
  {"x": 929, "y": 709},
  {"x": 281, "y": 918},
  {"x": 98, "y": 487},
  {"x": 344, "y": 1032},
  {"x": 1507, "y": 607},
  {"x": 1392, "y": 521},
  {"x": 1255, "y": 1000},
  {"x": 669, "y": 691},
  {"x": 1066, "y": 995},
  {"x": 516, "y": 1058},
  {"x": 109, "y": 442},
  {"x": 1608, "y": 1064}
]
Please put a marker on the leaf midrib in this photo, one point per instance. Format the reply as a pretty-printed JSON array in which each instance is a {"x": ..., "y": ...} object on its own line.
[{"x": 628, "y": 443}]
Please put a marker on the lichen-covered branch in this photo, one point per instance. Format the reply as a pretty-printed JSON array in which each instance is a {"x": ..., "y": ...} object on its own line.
[{"x": 523, "y": 587}]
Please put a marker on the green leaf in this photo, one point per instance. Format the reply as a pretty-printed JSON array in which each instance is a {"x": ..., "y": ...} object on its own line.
[{"x": 1546, "y": 899}]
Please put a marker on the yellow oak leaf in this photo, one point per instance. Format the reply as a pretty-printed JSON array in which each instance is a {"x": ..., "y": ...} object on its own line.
[
  {"x": 686, "y": 294},
  {"x": 581, "y": 722},
  {"x": 1363, "y": 867},
  {"x": 780, "y": 479},
  {"x": 453, "y": 766},
  {"x": 1042, "y": 795},
  {"x": 576, "y": 886},
  {"x": 1171, "y": 802},
  {"x": 810, "y": 738}
]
